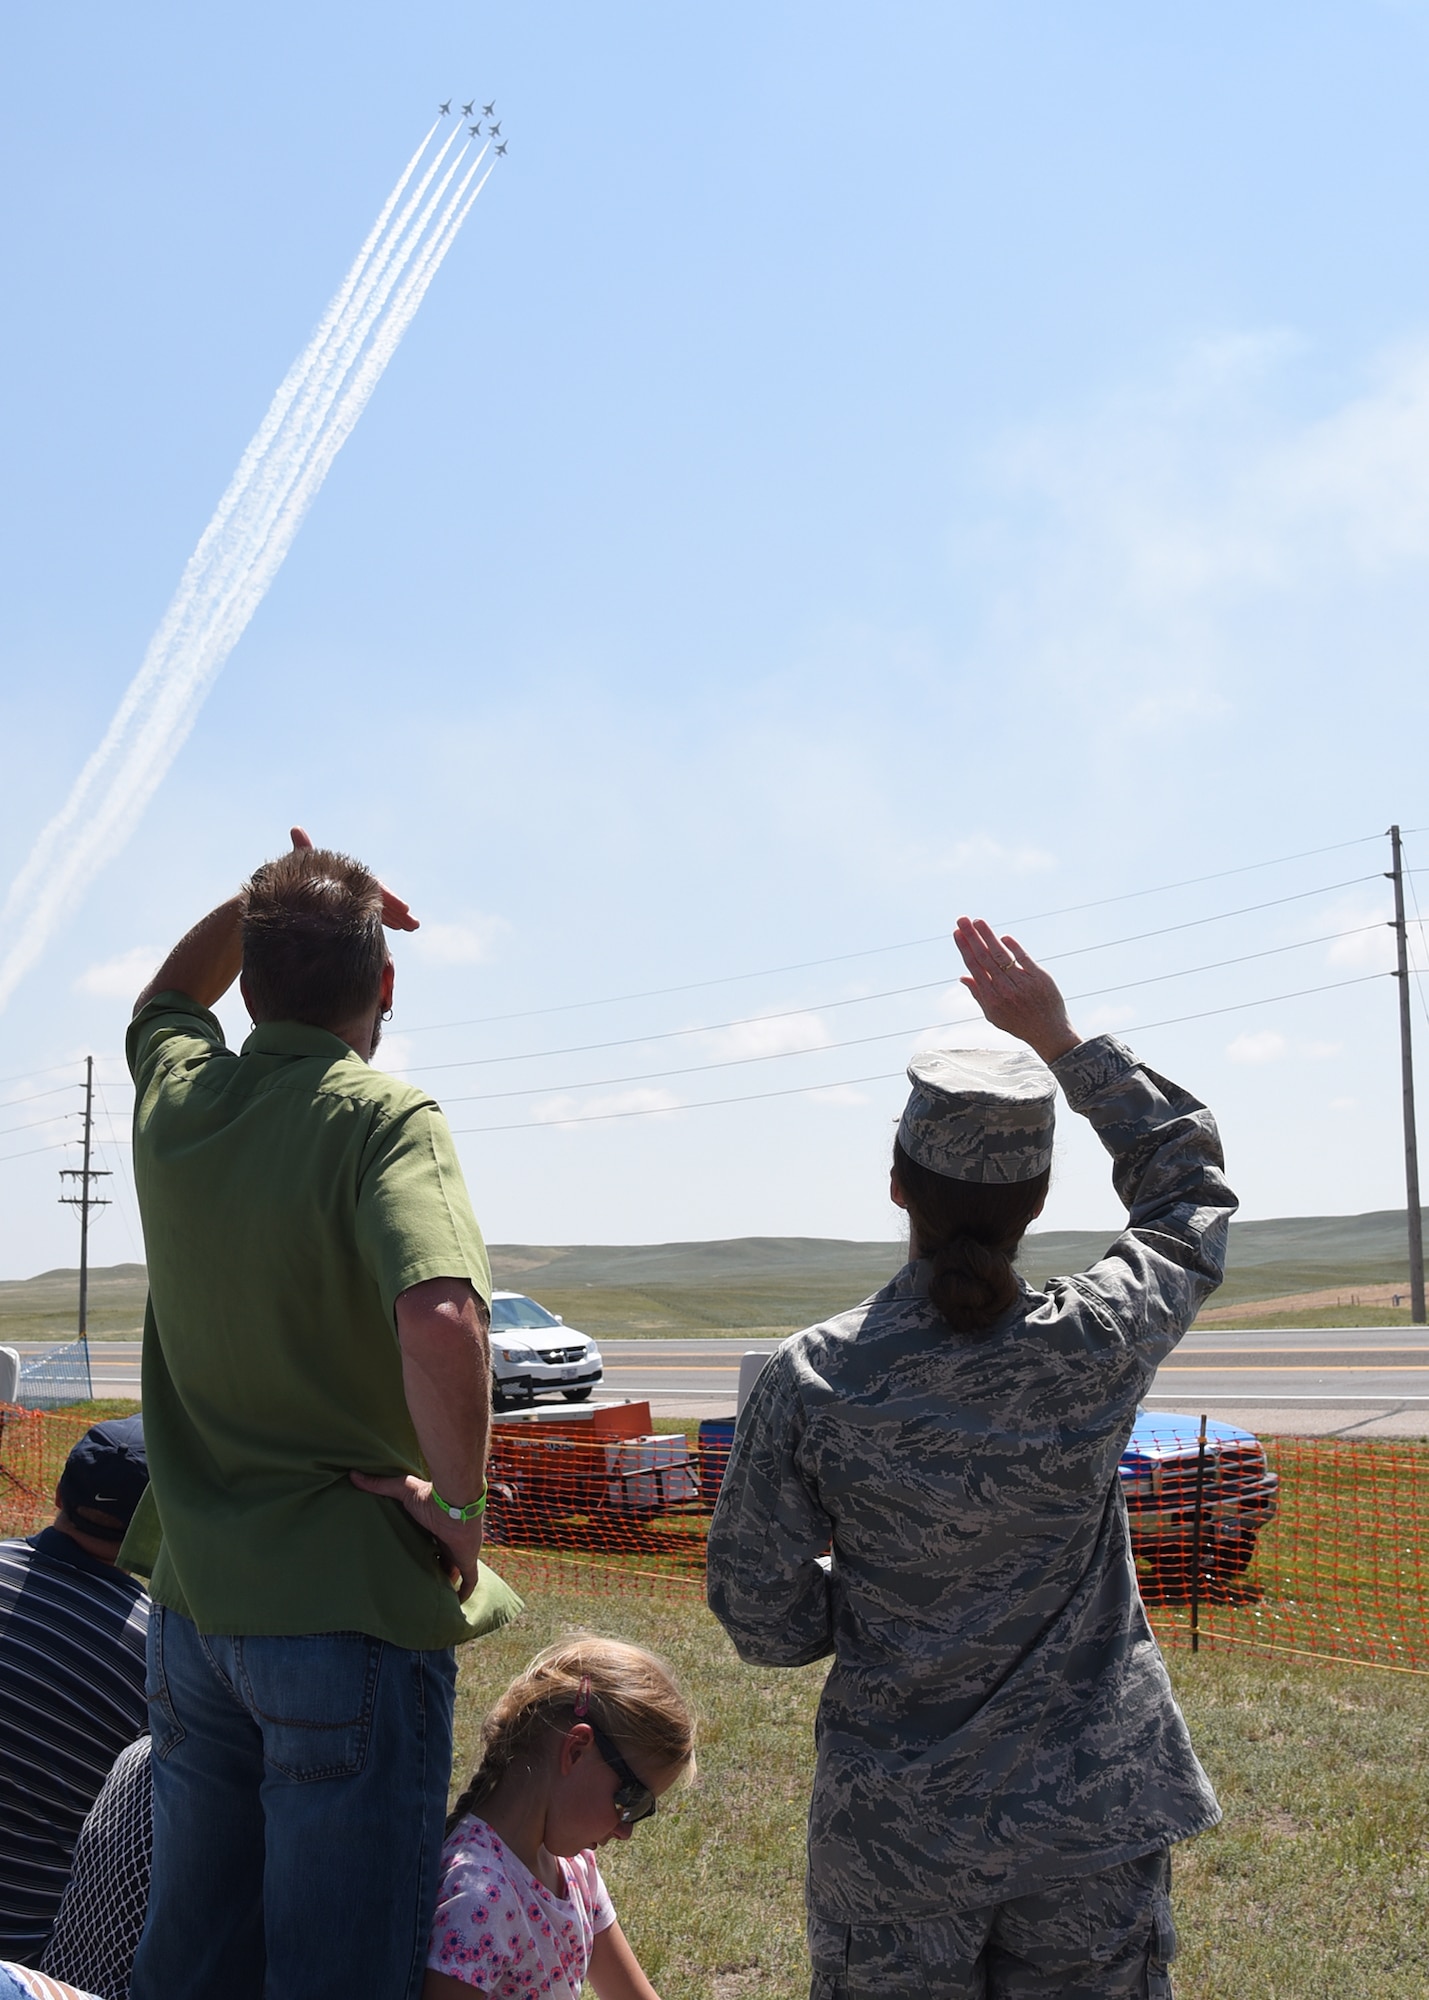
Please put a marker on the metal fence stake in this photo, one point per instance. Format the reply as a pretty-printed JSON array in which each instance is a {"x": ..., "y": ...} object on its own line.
[{"x": 1196, "y": 1542}]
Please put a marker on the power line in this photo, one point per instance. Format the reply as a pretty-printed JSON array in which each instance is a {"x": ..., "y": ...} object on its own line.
[
  {"x": 863, "y": 1041},
  {"x": 883, "y": 1076},
  {"x": 1223, "y": 916},
  {"x": 131, "y": 1229},
  {"x": 35, "y": 1123},
  {"x": 53, "y": 1147},
  {"x": 878, "y": 950},
  {"x": 24, "y": 1075},
  {"x": 11, "y": 1103},
  {"x": 866, "y": 999},
  {"x": 834, "y": 959},
  {"x": 888, "y": 1035}
]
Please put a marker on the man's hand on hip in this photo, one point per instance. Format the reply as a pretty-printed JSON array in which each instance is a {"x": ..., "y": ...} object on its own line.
[{"x": 459, "y": 1541}]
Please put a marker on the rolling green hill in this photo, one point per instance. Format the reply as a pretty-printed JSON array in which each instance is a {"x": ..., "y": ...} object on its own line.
[
  {"x": 45, "y": 1308},
  {"x": 1296, "y": 1253},
  {"x": 770, "y": 1283}
]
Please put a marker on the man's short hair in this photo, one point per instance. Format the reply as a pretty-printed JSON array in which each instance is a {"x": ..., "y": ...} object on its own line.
[{"x": 313, "y": 948}]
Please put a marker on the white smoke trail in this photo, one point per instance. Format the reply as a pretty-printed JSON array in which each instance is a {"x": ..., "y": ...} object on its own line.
[
  {"x": 264, "y": 522},
  {"x": 308, "y": 363},
  {"x": 229, "y": 602},
  {"x": 346, "y": 329},
  {"x": 218, "y": 572},
  {"x": 310, "y": 418},
  {"x": 355, "y": 395},
  {"x": 222, "y": 548}
]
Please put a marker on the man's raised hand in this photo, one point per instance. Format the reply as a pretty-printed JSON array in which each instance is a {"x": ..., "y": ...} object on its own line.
[
  {"x": 1013, "y": 991},
  {"x": 396, "y": 915}
]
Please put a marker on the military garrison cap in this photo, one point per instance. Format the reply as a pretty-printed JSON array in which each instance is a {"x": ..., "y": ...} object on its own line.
[{"x": 979, "y": 1114}]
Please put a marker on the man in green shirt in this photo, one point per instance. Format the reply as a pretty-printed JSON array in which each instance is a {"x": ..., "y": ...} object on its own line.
[{"x": 316, "y": 1407}]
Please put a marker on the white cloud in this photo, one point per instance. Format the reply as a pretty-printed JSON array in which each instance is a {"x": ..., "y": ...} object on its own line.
[
  {"x": 838, "y": 1093},
  {"x": 568, "y": 1110},
  {"x": 1105, "y": 1020},
  {"x": 980, "y": 850},
  {"x": 961, "y": 1012},
  {"x": 1369, "y": 948},
  {"x": 1165, "y": 525},
  {"x": 468, "y": 943},
  {"x": 1371, "y": 945},
  {"x": 974, "y": 1032},
  {"x": 1344, "y": 1103},
  {"x": 120, "y": 978},
  {"x": 1266, "y": 1046},
  {"x": 788, "y": 1034},
  {"x": 1269, "y": 1045},
  {"x": 395, "y": 1054}
]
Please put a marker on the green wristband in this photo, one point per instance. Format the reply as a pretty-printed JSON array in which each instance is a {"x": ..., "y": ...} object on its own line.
[{"x": 471, "y": 1513}]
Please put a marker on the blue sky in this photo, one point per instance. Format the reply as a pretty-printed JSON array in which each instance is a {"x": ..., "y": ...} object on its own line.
[{"x": 856, "y": 465}]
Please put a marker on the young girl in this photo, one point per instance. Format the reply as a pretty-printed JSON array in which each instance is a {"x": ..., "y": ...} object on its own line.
[{"x": 576, "y": 1752}]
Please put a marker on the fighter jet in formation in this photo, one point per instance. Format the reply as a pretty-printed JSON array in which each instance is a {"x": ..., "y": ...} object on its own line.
[
  {"x": 496, "y": 130},
  {"x": 475, "y": 130},
  {"x": 487, "y": 109},
  {"x": 467, "y": 109},
  {"x": 445, "y": 108},
  {"x": 502, "y": 148}
]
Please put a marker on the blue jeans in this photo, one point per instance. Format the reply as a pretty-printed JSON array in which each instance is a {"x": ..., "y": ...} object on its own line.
[{"x": 300, "y": 1790}]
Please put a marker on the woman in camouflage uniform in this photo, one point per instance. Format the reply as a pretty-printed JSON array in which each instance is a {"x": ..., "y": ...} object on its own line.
[{"x": 1002, "y": 1769}]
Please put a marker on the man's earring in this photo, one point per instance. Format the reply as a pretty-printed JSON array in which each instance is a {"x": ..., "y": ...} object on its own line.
[{"x": 386, "y": 1013}]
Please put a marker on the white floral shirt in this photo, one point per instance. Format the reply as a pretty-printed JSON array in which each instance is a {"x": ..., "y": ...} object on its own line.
[{"x": 499, "y": 1928}]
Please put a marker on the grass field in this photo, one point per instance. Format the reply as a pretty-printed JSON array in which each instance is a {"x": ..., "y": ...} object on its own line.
[{"x": 1316, "y": 1887}]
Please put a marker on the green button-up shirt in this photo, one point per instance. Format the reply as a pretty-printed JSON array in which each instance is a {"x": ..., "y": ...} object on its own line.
[{"x": 289, "y": 1194}]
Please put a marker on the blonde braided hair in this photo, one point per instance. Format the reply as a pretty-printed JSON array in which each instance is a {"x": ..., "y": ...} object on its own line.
[{"x": 628, "y": 1692}]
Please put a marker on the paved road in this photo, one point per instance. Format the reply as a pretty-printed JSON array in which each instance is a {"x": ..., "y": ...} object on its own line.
[
  {"x": 1371, "y": 1380},
  {"x": 1361, "y": 1380}
]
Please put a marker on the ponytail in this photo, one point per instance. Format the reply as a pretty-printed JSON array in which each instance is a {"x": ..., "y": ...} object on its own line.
[
  {"x": 626, "y": 1691},
  {"x": 969, "y": 1231}
]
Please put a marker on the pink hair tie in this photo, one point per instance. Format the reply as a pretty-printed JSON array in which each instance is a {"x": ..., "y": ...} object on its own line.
[{"x": 583, "y": 1699}]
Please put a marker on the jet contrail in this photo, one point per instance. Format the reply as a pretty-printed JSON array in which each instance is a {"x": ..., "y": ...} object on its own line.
[
  {"x": 264, "y": 521},
  {"x": 288, "y": 498},
  {"x": 240, "y": 551}
]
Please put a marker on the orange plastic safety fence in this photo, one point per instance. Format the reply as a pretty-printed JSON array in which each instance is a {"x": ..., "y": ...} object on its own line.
[
  {"x": 34, "y": 1445},
  {"x": 1337, "y": 1571},
  {"x": 632, "y": 1510},
  {"x": 1311, "y": 1547}
]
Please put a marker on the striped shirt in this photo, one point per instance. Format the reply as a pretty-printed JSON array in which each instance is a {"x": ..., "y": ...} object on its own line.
[{"x": 72, "y": 1636}]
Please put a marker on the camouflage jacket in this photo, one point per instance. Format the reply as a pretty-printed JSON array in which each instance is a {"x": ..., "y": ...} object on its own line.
[{"x": 997, "y": 1713}]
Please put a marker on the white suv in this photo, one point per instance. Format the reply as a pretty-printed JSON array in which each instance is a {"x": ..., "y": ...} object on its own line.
[{"x": 533, "y": 1350}]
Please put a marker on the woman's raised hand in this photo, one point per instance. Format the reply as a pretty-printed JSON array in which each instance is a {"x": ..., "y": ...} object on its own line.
[{"x": 1013, "y": 991}]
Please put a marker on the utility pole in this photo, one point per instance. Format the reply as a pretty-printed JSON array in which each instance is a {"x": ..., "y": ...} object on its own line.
[
  {"x": 1406, "y": 1059},
  {"x": 84, "y": 1201}
]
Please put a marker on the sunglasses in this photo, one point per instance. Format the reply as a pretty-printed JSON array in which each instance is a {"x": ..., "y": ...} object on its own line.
[{"x": 633, "y": 1800}]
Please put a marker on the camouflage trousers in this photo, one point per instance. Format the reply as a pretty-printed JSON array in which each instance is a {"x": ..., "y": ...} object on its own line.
[{"x": 1087, "y": 1937}]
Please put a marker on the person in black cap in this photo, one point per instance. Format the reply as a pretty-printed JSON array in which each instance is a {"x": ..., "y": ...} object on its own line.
[{"x": 72, "y": 1639}]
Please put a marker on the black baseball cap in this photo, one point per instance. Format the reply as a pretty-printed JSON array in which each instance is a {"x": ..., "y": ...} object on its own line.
[{"x": 106, "y": 1473}]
